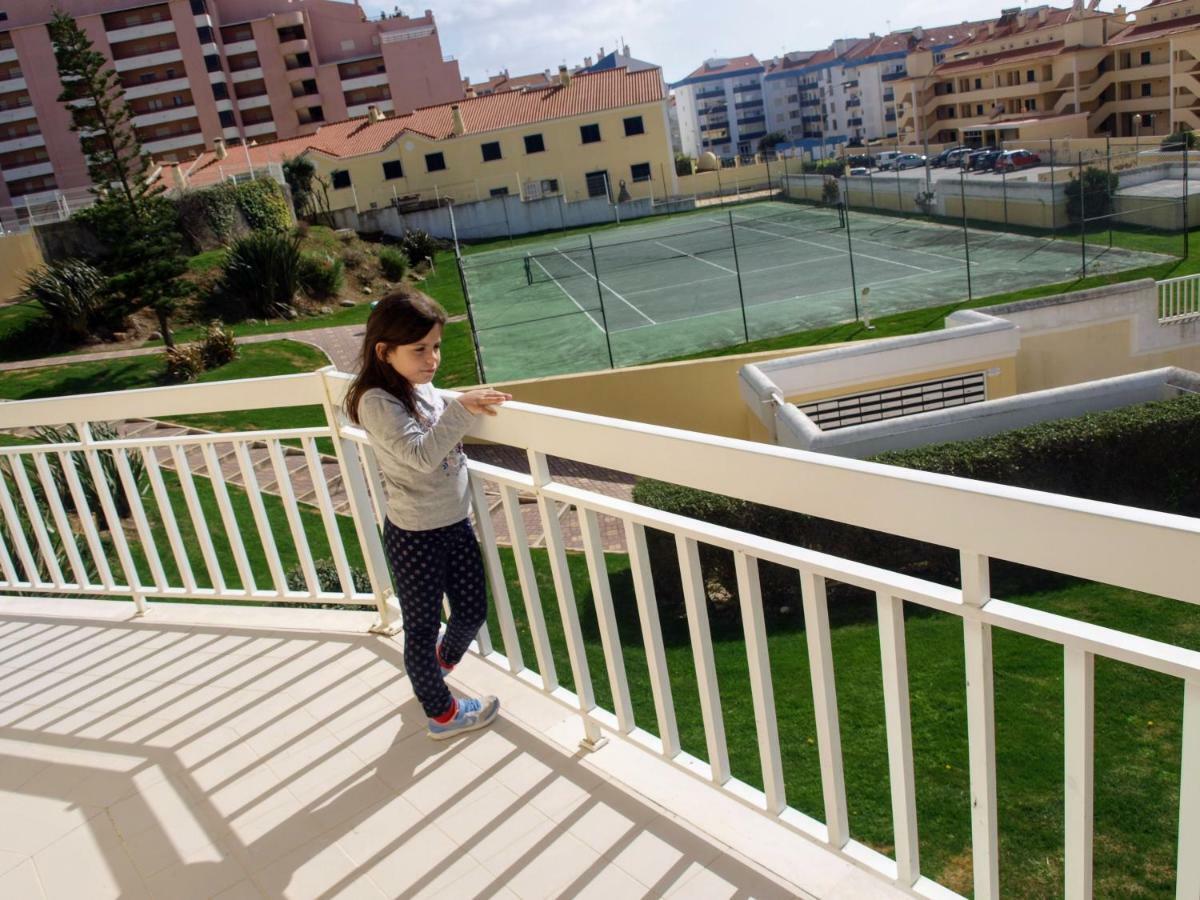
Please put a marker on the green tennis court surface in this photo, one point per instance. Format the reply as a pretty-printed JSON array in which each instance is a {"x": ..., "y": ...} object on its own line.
[{"x": 670, "y": 286}]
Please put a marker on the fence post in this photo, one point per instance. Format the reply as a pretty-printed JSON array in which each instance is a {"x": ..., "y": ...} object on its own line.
[
  {"x": 1082, "y": 220},
  {"x": 738, "y": 269},
  {"x": 962, "y": 200},
  {"x": 1187, "y": 140},
  {"x": 850, "y": 250},
  {"x": 1108, "y": 185},
  {"x": 462, "y": 279},
  {"x": 600, "y": 294},
  {"x": 1053, "y": 199}
]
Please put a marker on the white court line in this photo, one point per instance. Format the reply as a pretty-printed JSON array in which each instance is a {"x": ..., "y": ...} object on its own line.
[
  {"x": 682, "y": 284},
  {"x": 788, "y": 237},
  {"x": 568, "y": 293},
  {"x": 707, "y": 262},
  {"x": 605, "y": 286},
  {"x": 717, "y": 312}
]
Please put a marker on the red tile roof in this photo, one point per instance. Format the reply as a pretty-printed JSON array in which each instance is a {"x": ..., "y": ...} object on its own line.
[
  {"x": 1154, "y": 30},
  {"x": 591, "y": 92},
  {"x": 1050, "y": 48},
  {"x": 732, "y": 66}
]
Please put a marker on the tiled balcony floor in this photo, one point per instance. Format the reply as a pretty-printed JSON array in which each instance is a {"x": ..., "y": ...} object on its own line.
[{"x": 248, "y": 752}]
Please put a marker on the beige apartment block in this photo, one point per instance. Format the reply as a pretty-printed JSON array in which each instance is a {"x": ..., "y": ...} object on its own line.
[{"x": 1044, "y": 72}]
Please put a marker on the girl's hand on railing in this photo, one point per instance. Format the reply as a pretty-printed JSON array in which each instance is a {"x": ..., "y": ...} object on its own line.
[{"x": 483, "y": 400}]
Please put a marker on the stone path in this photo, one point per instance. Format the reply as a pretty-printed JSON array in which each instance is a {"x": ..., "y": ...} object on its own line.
[{"x": 593, "y": 478}]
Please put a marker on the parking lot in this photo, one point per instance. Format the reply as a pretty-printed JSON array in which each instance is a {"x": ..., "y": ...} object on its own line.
[{"x": 1031, "y": 174}]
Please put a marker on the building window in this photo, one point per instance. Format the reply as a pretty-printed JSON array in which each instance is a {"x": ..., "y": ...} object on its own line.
[
  {"x": 220, "y": 90},
  {"x": 589, "y": 134},
  {"x": 226, "y": 117},
  {"x": 1146, "y": 89},
  {"x": 291, "y": 33},
  {"x": 979, "y": 109},
  {"x": 317, "y": 113},
  {"x": 597, "y": 184},
  {"x": 205, "y": 34},
  {"x": 1031, "y": 105},
  {"x": 212, "y": 62},
  {"x": 393, "y": 169},
  {"x": 633, "y": 125},
  {"x": 491, "y": 151},
  {"x": 978, "y": 84},
  {"x": 340, "y": 178},
  {"x": 303, "y": 60},
  {"x": 534, "y": 143},
  {"x": 1145, "y": 57},
  {"x": 1029, "y": 75},
  {"x": 640, "y": 171},
  {"x": 499, "y": 192},
  {"x": 177, "y": 100},
  {"x": 199, "y": 7},
  {"x": 435, "y": 162}
]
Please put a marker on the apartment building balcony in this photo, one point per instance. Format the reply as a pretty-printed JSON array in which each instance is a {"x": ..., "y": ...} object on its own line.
[
  {"x": 1143, "y": 73},
  {"x": 154, "y": 58},
  {"x": 246, "y": 46},
  {"x": 260, "y": 128},
  {"x": 301, "y": 73},
  {"x": 171, "y": 749},
  {"x": 298, "y": 45},
  {"x": 180, "y": 141},
  {"x": 360, "y": 109},
  {"x": 893, "y": 76},
  {"x": 251, "y": 74},
  {"x": 8, "y": 54},
  {"x": 27, "y": 142},
  {"x": 288, "y": 19},
  {"x": 154, "y": 88},
  {"x": 18, "y": 114},
  {"x": 378, "y": 79},
  {"x": 746, "y": 88},
  {"x": 709, "y": 94},
  {"x": 161, "y": 116},
  {"x": 254, "y": 102},
  {"x": 136, "y": 32},
  {"x": 32, "y": 171}
]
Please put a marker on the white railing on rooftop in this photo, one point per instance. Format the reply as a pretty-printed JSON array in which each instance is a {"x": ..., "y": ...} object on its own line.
[
  {"x": 1147, "y": 551},
  {"x": 1179, "y": 298}
]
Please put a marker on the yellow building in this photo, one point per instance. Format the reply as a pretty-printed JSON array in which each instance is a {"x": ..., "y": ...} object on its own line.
[
  {"x": 1038, "y": 73},
  {"x": 598, "y": 134}
]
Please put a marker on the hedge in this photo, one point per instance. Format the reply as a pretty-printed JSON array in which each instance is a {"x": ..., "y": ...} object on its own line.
[{"x": 1137, "y": 456}]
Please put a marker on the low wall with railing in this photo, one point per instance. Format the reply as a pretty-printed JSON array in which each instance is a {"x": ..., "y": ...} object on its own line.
[{"x": 1135, "y": 549}]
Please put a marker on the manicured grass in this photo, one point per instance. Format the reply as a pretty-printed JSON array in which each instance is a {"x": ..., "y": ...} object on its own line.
[{"x": 208, "y": 260}]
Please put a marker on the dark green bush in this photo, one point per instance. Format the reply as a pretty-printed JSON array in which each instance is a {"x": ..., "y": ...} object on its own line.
[
  {"x": 1093, "y": 196},
  {"x": 1128, "y": 456},
  {"x": 72, "y": 293},
  {"x": 183, "y": 363},
  {"x": 219, "y": 347},
  {"x": 1177, "y": 140},
  {"x": 264, "y": 205},
  {"x": 417, "y": 245},
  {"x": 262, "y": 275},
  {"x": 833, "y": 167},
  {"x": 210, "y": 217},
  {"x": 327, "y": 578},
  {"x": 321, "y": 275},
  {"x": 101, "y": 431},
  {"x": 393, "y": 263}
]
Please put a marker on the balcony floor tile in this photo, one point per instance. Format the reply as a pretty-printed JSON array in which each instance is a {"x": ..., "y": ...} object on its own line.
[{"x": 242, "y": 752}]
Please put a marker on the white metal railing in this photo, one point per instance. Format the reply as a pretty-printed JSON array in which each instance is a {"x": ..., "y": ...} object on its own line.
[
  {"x": 1178, "y": 298},
  {"x": 1147, "y": 551}
]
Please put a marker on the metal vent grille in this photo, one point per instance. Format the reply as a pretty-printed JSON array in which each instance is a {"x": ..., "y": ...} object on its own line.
[{"x": 889, "y": 403}]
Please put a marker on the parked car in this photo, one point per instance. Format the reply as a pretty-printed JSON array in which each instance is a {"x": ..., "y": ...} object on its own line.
[
  {"x": 908, "y": 161},
  {"x": 954, "y": 159},
  {"x": 860, "y": 160},
  {"x": 983, "y": 160},
  {"x": 860, "y": 170},
  {"x": 1011, "y": 160},
  {"x": 943, "y": 158},
  {"x": 886, "y": 158}
]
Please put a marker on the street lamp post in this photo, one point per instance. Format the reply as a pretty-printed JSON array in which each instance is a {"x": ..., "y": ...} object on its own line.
[{"x": 1137, "y": 136}]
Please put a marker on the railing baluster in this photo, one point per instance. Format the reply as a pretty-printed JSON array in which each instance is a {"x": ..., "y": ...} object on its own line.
[
  {"x": 696, "y": 602},
  {"x": 145, "y": 534},
  {"x": 529, "y": 587},
  {"x": 261, "y": 522},
  {"x": 183, "y": 469},
  {"x": 16, "y": 530},
  {"x": 233, "y": 530},
  {"x": 283, "y": 481},
  {"x": 84, "y": 512},
  {"x": 378, "y": 494},
  {"x": 656, "y": 657},
  {"x": 1187, "y": 877},
  {"x": 564, "y": 592},
  {"x": 761, "y": 689},
  {"x": 610, "y": 637},
  {"x": 115, "y": 530},
  {"x": 495, "y": 573},
  {"x": 328, "y": 516},
  {"x": 61, "y": 522},
  {"x": 41, "y": 534},
  {"x": 824, "y": 689},
  {"x": 981, "y": 727},
  {"x": 1079, "y": 696},
  {"x": 894, "y": 658},
  {"x": 166, "y": 513}
]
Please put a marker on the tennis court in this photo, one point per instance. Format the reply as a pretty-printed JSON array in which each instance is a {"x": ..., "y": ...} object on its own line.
[{"x": 671, "y": 286}]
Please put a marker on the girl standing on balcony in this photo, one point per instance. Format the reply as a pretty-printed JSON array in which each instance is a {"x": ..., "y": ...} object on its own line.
[{"x": 416, "y": 434}]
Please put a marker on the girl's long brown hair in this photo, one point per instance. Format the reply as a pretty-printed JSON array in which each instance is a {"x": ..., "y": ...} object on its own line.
[{"x": 402, "y": 317}]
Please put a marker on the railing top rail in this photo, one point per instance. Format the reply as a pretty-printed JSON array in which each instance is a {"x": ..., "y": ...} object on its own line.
[
  {"x": 1194, "y": 277},
  {"x": 220, "y": 437}
]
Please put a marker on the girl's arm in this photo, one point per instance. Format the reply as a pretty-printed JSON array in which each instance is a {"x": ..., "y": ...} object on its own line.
[{"x": 390, "y": 424}]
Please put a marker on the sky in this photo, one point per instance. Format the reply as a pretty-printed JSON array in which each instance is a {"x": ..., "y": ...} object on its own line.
[{"x": 531, "y": 35}]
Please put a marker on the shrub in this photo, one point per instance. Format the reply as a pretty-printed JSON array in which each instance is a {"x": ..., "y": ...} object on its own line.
[
  {"x": 1093, "y": 196},
  {"x": 354, "y": 257},
  {"x": 71, "y": 292},
  {"x": 321, "y": 275},
  {"x": 808, "y": 166},
  {"x": 327, "y": 578},
  {"x": 1114, "y": 456},
  {"x": 101, "y": 431},
  {"x": 264, "y": 205},
  {"x": 219, "y": 345},
  {"x": 1177, "y": 140},
  {"x": 184, "y": 363},
  {"x": 262, "y": 274},
  {"x": 417, "y": 245},
  {"x": 393, "y": 263},
  {"x": 832, "y": 167},
  {"x": 830, "y": 192},
  {"x": 209, "y": 217}
]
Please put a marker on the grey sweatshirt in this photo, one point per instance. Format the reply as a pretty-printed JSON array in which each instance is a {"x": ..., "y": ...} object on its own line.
[{"x": 422, "y": 461}]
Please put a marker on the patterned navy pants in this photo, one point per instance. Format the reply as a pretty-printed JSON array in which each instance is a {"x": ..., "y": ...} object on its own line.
[{"x": 425, "y": 565}]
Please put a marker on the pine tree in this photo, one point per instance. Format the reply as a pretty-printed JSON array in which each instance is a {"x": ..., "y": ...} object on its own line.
[{"x": 138, "y": 226}]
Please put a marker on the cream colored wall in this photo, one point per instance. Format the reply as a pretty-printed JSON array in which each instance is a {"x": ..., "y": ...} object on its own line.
[
  {"x": 726, "y": 180},
  {"x": 1002, "y": 384},
  {"x": 467, "y": 177},
  {"x": 18, "y": 254},
  {"x": 699, "y": 395}
]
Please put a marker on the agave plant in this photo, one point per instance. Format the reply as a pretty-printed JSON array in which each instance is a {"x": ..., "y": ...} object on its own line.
[
  {"x": 262, "y": 274},
  {"x": 72, "y": 292},
  {"x": 101, "y": 431}
]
